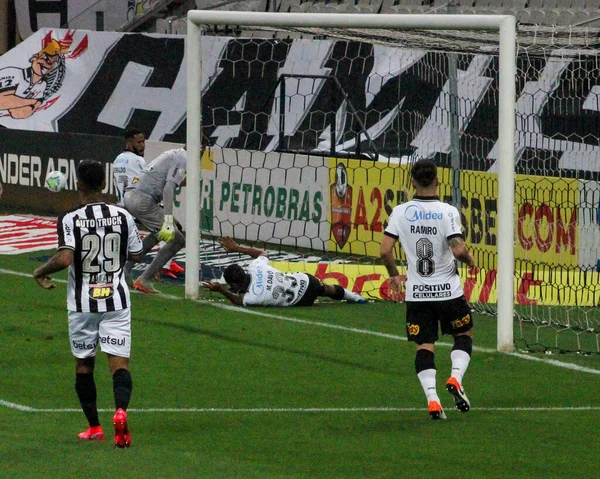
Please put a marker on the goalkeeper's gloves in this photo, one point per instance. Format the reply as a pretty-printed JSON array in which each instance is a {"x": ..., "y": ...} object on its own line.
[{"x": 167, "y": 232}]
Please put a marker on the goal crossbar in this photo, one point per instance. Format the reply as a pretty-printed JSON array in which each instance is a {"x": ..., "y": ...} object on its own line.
[{"x": 504, "y": 24}]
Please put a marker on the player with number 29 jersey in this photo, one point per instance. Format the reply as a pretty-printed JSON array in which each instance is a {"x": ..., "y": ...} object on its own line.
[
  {"x": 103, "y": 235},
  {"x": 423, "y": 226}
]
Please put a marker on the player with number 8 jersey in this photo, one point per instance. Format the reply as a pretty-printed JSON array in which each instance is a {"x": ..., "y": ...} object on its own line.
[
  {"x": 430, "y": 233},
  {"x": 424, "y": 226}
]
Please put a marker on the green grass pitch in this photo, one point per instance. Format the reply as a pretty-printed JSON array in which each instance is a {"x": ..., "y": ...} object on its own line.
[{"x": 322, "y": 392}]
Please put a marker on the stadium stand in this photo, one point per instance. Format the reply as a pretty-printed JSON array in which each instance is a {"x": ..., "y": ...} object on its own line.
[{"x": 167, "y": 16}]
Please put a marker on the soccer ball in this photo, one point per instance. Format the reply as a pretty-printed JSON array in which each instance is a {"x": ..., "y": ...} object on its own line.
[{"x": 56, "y": 181}]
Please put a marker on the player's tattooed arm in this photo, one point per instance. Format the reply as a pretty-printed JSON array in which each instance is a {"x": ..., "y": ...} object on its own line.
[
  {"x": 61, "y": 260},
  {"x": 461, "y": 251},
  {"x": 387, "y": 255}
]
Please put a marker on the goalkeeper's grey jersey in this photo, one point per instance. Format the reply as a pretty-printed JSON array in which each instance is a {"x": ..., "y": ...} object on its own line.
[
  {"x": 271, "y": 287},
  {"x": 126, "y": 171},
  {"x": 424, "y": 226},
  {"x": 101, "y": 237},
  {"x": 168, "y": 166}
]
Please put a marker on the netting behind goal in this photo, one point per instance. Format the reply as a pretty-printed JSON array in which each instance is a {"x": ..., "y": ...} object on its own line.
[{"x": 313, "y": 139}]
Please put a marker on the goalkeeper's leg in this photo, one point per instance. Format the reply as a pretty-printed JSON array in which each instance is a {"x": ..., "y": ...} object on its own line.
[
  {"x": 149, "y": 242},
  {"x": 164, "y": 254}
]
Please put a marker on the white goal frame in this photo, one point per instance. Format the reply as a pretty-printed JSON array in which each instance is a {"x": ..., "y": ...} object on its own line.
[{"x": 504, "y": 24}]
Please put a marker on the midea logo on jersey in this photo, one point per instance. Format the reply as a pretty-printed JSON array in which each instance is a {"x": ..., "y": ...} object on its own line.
[
  {"x": 258, "y": 287},
  {"x": 413, "y": 213}
]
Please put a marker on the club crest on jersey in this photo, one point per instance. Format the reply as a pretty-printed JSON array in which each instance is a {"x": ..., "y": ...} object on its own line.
[
  {"x": 101, "y": 291},
  {"x": 413, "y": 329},
  {"x": 413, "y": 213}
]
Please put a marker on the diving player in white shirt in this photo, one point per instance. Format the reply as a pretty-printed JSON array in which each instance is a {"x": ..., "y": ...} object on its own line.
[
  {"x": 264, "y": 285},
  {"x": 430, "y": 233}
]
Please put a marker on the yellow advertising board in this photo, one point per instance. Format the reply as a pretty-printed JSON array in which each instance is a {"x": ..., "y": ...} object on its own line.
[{"x": 363, "y": 194}]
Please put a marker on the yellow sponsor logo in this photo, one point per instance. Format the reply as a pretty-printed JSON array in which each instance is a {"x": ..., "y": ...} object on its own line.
[
  {"x": 101, "y": 292},
  {"x": 413, "y": 329},
  {"x": 459, "y": 323}
]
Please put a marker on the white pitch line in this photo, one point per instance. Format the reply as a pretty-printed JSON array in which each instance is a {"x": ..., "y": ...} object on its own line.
[
  {"x": 255, "y": 312},
  {"x": 18, "y": 407},
  {"x": 24, "y": 408}
]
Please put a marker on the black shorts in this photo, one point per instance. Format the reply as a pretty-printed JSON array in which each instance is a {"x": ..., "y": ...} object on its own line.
[
  {"x": 315, "y": 288},
  {"x": 422, "y": 318}
]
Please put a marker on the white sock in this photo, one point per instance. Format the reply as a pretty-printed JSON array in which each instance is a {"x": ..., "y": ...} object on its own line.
[
  {"x": 350, "y": 296},
  {"x": 460, "y": 363},
  {"x": 427, "y": 378}
]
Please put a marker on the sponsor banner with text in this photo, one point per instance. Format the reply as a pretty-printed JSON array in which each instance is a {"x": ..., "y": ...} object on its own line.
[
  {"x": 544, "y": 287},
  {"x": 363, "y": 194}
]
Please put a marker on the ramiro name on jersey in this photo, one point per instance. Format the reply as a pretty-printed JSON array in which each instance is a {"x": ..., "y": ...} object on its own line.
[{"x": 423, "y": 230}]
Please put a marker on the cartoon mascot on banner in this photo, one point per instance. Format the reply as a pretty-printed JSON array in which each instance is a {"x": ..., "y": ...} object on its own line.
[{"x": 23, "y": 91}]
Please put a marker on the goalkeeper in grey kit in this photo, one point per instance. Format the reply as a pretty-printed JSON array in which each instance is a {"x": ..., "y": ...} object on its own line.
[{"x": 156, "y": 184}]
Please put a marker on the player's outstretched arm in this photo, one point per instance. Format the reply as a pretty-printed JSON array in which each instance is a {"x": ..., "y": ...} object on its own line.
[
  {"x": 231, "y": 246},
  {"x": 61, "y": 260},
  {"x": 217, "y": 287},
  {"x": 460, "y": 251}
]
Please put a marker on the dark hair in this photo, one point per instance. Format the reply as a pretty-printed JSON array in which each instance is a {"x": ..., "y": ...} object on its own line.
[
  {"x": 131, "y": 133},
  {"x": 234, "y": 274},
  {"x": 91, "y": 174},
  {"x": 424, "y": 172}
]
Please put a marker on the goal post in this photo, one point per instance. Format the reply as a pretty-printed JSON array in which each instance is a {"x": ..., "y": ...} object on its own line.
[{"x": 504, "y": 24}]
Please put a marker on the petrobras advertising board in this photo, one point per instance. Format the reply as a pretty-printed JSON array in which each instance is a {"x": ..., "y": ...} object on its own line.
[{"x": 270, "y": 197}]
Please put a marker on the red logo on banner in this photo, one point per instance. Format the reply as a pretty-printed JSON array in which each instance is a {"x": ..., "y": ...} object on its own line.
[{"x": 23, "y": 234}]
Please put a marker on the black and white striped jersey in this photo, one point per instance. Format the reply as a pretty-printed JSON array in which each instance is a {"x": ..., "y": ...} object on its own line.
[{"x": 101, "y": 236}]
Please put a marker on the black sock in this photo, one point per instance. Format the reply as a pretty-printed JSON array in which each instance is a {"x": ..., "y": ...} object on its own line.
[
  {"x": 339, "y": 292},
  {"x": 424, "y": 359},
  {"x": 86, "y": 391},
  {"x": 122, "y": 387},
  {"x": 463, "y": 343}
]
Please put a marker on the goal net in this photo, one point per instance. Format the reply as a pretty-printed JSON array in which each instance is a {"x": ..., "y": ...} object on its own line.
[{"x": 314, "y": 131}]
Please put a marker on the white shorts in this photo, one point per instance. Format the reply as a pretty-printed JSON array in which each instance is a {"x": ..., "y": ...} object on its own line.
[{"x": 112, "y": 330}]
